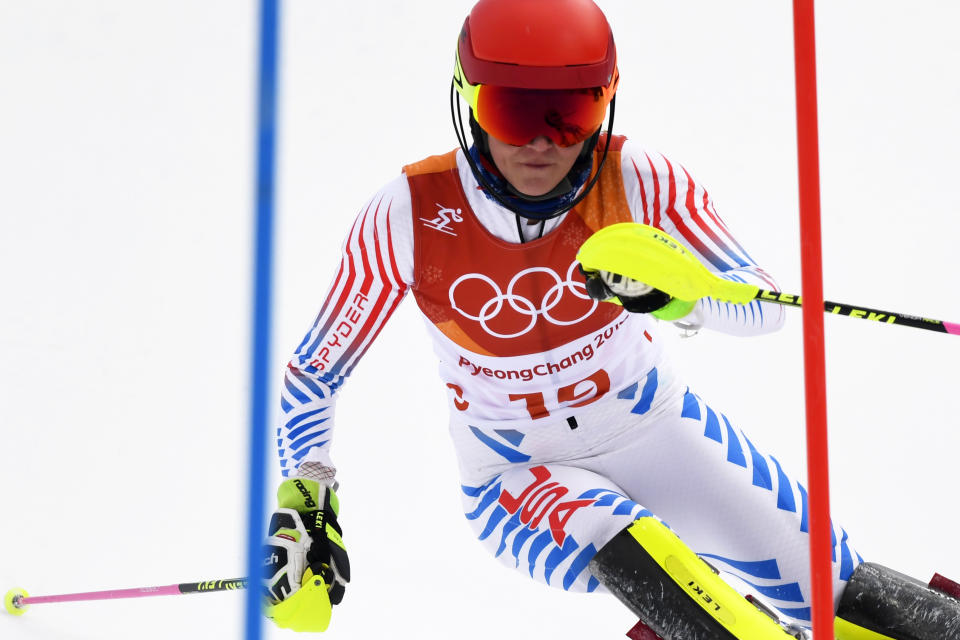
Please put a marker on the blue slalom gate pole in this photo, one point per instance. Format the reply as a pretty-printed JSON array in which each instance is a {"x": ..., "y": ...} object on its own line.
[{"x": 262, "y": 303}]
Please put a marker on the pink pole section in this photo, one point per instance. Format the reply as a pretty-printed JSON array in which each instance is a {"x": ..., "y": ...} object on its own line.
[
  {"x": 140, "y": 592},
  {"x": 952, "y": 327},
  {"x": 818, "y": 477},
  {"x": 114, "y": 594}
]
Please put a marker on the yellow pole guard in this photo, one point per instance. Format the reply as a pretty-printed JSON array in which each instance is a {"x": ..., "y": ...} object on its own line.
[
  {"x": 652, "y": 256},
  {"x": 737, "y": 615},
  {"x": 308, "y": 609}
]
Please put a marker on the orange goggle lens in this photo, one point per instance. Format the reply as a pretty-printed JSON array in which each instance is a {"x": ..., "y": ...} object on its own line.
[{"x": 517, "y": 116}]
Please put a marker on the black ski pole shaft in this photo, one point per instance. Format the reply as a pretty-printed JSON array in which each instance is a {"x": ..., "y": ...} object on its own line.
[{"x": 865, "y": 313}]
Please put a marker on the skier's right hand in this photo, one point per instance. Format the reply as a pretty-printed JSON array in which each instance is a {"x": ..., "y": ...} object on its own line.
[
  {"x": 305, "y": 562},
  {"x": 635, "y": 296}
]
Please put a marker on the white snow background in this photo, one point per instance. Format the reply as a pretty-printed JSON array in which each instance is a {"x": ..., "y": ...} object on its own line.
[{"x": 126, "y": 164}]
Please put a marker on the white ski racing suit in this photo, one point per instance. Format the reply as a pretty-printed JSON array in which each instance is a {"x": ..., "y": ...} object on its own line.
[{"x": 567, "y": 419}]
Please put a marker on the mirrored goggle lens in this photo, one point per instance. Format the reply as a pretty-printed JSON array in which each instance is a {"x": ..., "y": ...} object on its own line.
[{"x": 517, "y": 116}]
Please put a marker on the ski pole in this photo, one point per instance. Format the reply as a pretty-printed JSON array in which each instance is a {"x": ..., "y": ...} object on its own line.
[
  {"x": 16, "y": 601},
  {"x": 865, "y": 313},
  {"x": 652, "y": 256}
]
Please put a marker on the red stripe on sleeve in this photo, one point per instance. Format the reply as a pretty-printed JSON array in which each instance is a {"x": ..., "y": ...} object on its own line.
[
  {"x": 643, "y": 192},
  {"x": 367, "y": 272},
  {"x": 682, "y": 226},
  {"x": 718, "y": 221},
  {"x": 703, "y": 223},
  {"x": 656, "y": 193},
  {"x": 766, "y": 277},
  {"x": 393, "y": 258},
  {"x": 377, "y": 319},
  {"x": 347, "y": 286}
]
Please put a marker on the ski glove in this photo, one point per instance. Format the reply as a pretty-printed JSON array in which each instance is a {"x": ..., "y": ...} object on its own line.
[
  {"x": 635, "y": 296},
  {"x": 305, "y": 568}
]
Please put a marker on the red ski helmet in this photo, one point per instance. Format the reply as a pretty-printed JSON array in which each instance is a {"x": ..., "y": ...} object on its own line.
[{"x": 537, "y": 67}]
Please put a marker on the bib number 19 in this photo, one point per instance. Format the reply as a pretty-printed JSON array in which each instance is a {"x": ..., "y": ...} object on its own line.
[{"x": 578, "y": 394}]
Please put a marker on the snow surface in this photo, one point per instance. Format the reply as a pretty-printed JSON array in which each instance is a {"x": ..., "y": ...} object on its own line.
[{"x": 125, "y": 218}]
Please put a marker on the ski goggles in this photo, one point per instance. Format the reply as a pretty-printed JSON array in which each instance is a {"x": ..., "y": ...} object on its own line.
[{"x": 517, "y": 116}]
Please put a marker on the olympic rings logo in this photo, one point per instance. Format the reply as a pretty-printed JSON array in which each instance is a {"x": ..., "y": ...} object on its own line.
[{"x": 491, "y": 308}]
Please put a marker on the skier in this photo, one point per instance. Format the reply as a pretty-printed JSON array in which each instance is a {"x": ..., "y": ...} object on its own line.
[{"x": 585, "y": 459}]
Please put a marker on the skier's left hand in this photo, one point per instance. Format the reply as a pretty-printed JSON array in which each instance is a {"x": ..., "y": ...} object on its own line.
[{"x": 635, "y": 296}]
